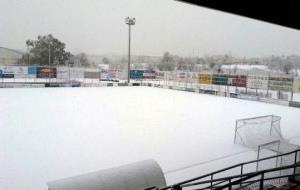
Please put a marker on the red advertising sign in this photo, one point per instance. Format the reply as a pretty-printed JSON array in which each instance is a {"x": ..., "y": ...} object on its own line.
[
  {"x": 45, "y": 72},
  {"x": 149, "y": 74},
  {"x": 181, "y": 76},
  {"x": 237, "y": 80}
]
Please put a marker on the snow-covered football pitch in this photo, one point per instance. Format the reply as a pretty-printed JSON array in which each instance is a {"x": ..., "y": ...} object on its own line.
[{"x": 52, "y": 133}]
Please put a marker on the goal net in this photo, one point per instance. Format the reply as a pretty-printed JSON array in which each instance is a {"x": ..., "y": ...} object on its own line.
[
  {"x": 277, "y": 147},
  {"x": 252, "y": 132},
  {"x": 264, "y": 135}
]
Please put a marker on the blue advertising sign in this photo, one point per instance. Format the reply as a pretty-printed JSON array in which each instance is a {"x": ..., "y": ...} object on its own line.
[
  {"x": 136, "y": 74},
  {"x": 31, "y": 70}
]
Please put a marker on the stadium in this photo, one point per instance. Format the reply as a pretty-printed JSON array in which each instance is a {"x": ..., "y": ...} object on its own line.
[{"x": 72, "y": 122}]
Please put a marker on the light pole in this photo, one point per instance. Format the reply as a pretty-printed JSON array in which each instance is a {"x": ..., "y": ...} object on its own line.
[
  {"x": 129, "y": 21},
  {"x": 28, "y": 51},
  {"x": 49, "y": 58}
]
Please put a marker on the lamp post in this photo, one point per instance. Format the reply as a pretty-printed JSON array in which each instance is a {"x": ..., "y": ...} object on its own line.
[
  {"x": 70, "y": 64},
  {"x": 129, "y": 21},
  {"x": 28, "y": 51},
  {"x": 49, "y": 59}
]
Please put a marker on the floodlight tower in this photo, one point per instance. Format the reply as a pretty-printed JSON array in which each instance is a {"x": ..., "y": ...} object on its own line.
[
  {"x": 49, "y": 59},
  {"x": 129, "y": 21}
]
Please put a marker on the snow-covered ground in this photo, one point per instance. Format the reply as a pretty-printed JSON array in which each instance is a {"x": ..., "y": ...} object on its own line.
[{"x": 51, "y": 133}]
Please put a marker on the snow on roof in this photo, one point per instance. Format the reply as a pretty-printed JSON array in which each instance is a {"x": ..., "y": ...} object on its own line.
[{"x": 134, "y": 176}]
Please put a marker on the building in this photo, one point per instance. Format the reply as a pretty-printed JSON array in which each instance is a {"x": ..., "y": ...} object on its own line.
[{"x": 9, "y": 56}]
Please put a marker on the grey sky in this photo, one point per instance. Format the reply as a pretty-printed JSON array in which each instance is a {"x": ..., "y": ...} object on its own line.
[{"x": 97, "y": 27}]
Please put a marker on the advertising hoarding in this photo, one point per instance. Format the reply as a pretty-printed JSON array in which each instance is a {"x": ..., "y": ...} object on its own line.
[
  {"x": 8, "y": 75},
  {"x": 171, "y": 76},
  {"x": 31, "y": 71},
  {"x": 280, "y": 83},
  {"x": 8, "y": 69},
  {"x": 21, "y": 76},
  {"x": 62, "y": 72},
  {"x": 181, "y": 76},
  {"x": 204, "y": 78},
  {"x": 8, "y": 72},
  {"x": 296, "y": 85},
  {"x": 20, "y": 72},
  {"x": 45, "y": 72},
  {"x": 91, "y": 75},
  {"x": 108, "y": 75},
  {"x": 76, "y": 73},
  {"x": 191, "y": 76},
  {"x": 136, "y": 74},
  {"x": 104, "y": 75},
  {"x": 257, "y": 82},
  {"x": 148, "y": 74},
  {"x": 113, "y": 74},
  {"x": 237, "y": 80},
  {"x": 220, "y": 79}
]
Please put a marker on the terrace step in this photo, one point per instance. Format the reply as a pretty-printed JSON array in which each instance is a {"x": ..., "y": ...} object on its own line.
[{"x": 287, "y": 186}]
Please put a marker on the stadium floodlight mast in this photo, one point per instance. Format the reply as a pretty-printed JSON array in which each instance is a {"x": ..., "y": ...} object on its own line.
[
  {"x": 129, "y": 21},
  {"x": 49, "y": 58}
]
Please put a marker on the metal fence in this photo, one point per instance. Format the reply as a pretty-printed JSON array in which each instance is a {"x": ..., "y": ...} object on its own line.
[{"x": 243, "y": 175}]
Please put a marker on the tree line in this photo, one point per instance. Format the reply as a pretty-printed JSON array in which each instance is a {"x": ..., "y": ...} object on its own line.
[{"x": 47, "y": 49}]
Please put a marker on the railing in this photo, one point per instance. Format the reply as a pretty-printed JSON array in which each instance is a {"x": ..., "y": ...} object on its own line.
[{"x": 213, "y": 183}]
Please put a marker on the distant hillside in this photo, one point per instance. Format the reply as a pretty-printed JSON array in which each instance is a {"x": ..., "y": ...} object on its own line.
[{"x": 6, "y": 53}]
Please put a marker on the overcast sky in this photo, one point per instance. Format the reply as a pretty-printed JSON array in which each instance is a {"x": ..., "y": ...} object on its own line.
[{"x": 98, "y": 27}]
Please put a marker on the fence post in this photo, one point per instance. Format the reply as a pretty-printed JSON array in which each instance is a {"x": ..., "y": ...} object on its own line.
[
  {"x": 235, "y": 130},
  {"x": 261, "y": 183},
  {"x": 229, "y": 187},
  {"x": 242, "y": 167},
  {"x": 211, "y": 182},
  {"x": 292, "y": 90},
  {"x": 280, "y": 166},
  {"x": 258, "y": 154},
  {"x": 295, "y": 161},
  {"x": 268, "y": 85}
]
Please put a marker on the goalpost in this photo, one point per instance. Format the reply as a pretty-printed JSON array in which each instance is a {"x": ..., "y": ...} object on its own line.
[
  {"x": 255, "y": 131},
  {"x": 263, "y": 134}
]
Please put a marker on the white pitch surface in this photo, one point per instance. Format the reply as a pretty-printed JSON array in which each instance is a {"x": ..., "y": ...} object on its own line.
[{"x": 52, "y": 133}]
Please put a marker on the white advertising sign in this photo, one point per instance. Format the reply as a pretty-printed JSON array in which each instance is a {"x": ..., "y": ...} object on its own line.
[{"x": 257, "y": 82}]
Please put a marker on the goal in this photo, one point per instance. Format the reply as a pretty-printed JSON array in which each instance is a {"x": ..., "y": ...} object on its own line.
[
  {"x": 263, "y": 134},
  {"x": 252, "y": 132},
  {"x": 276, "y": 148}
]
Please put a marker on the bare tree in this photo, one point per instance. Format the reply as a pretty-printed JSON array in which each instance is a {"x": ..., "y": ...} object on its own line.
[
  {"x": 286, "y": 68},
  {"x": 212, "y": 65},
  {"x": 167, "y": 63},
  {"x": 82, "y": 59},
  {"x": 105, "y": 60}
]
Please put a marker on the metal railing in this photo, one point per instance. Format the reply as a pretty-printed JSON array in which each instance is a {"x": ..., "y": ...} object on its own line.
[{"x": 241, "y": 179}]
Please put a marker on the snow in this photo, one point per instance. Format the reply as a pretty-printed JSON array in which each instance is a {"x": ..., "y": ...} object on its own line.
[
  {"x": 52, "y": 133},
  {"x": 245, "y": 67}
]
